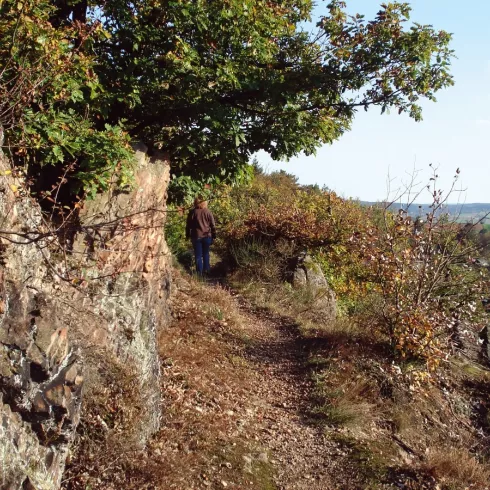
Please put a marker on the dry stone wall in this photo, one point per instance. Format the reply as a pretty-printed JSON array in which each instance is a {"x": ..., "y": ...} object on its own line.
[{"x": 50, "y": 326}]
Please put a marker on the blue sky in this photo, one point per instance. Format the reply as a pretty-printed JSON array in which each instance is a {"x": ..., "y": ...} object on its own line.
[{"x": 455, "y": 132}]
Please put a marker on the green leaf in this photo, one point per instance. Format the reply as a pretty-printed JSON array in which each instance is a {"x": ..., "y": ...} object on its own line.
[{"x": 58, "y": 153}]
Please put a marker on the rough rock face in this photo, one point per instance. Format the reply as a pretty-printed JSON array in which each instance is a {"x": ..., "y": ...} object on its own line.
[
  {"x": 49, "y": 323},
  {"x": 41, "y": 384},
  {"x": 307, "y": 274},
  {"x": 123, "y": 235}
]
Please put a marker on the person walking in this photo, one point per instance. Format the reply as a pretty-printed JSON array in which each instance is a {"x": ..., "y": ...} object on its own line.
[{"x": 201, "y": 229}]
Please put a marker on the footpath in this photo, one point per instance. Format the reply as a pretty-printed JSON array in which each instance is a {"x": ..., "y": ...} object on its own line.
[{"x": 238, "y": 398}]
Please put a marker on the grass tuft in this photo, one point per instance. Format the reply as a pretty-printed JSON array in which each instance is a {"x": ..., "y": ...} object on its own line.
[
  {"x": 346, "y": 406},
  {"x": 457, "y": 468}
]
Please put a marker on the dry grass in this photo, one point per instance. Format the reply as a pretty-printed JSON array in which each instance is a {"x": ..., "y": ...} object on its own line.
[
  {"x": 207, "y": 429},
  {"x": 348, "y": 405},
  {"x": 457, "y": 469},
  {"x": 257, "y": 261},
  {"x": 339, "y": 331},
  {"x": 359, "y": 394},
  {"x": 303, "y": 305},
  {"x": 405, "y": 419}
]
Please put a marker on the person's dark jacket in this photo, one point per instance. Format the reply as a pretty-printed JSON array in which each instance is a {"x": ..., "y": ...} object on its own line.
[{"x": 200, "y": 224}]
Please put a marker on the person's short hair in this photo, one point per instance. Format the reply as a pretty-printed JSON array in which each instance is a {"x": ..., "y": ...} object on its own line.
[{"x": 200, "y": 203}]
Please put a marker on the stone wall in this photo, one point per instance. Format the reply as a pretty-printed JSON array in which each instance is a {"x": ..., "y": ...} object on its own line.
[{"x": 50, "y": 323}]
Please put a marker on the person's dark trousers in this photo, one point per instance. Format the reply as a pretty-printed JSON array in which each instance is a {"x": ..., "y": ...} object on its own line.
[{"x": 201, "y": 253}]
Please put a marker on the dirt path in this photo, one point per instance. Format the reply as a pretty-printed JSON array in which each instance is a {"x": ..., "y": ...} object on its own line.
[
  {"x": 303, "y": 455},
  {"x": 239, "y": 410},
  {"x": 238, "y": 401}
]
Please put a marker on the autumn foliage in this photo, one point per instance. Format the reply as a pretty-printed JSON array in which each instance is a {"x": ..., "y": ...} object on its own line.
[
  {"x": 407, "y": 280},
  {"x": 427, "y": 290}
]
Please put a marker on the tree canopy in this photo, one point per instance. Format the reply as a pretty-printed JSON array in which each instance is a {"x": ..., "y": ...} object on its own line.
[{"x": 211, "y": 82}]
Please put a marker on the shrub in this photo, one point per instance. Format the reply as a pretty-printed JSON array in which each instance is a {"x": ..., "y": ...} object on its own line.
[
  {"x": 275, "y": 210},
  {"x": 175, "y": 232},
  {"x": 426, "y": 288},
  {"x": 421, "y": 271},
  {"x": 410, "y": 282}
]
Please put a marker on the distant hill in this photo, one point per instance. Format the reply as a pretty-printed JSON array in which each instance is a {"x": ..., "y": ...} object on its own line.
[{"x": 462, "y": 212}]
